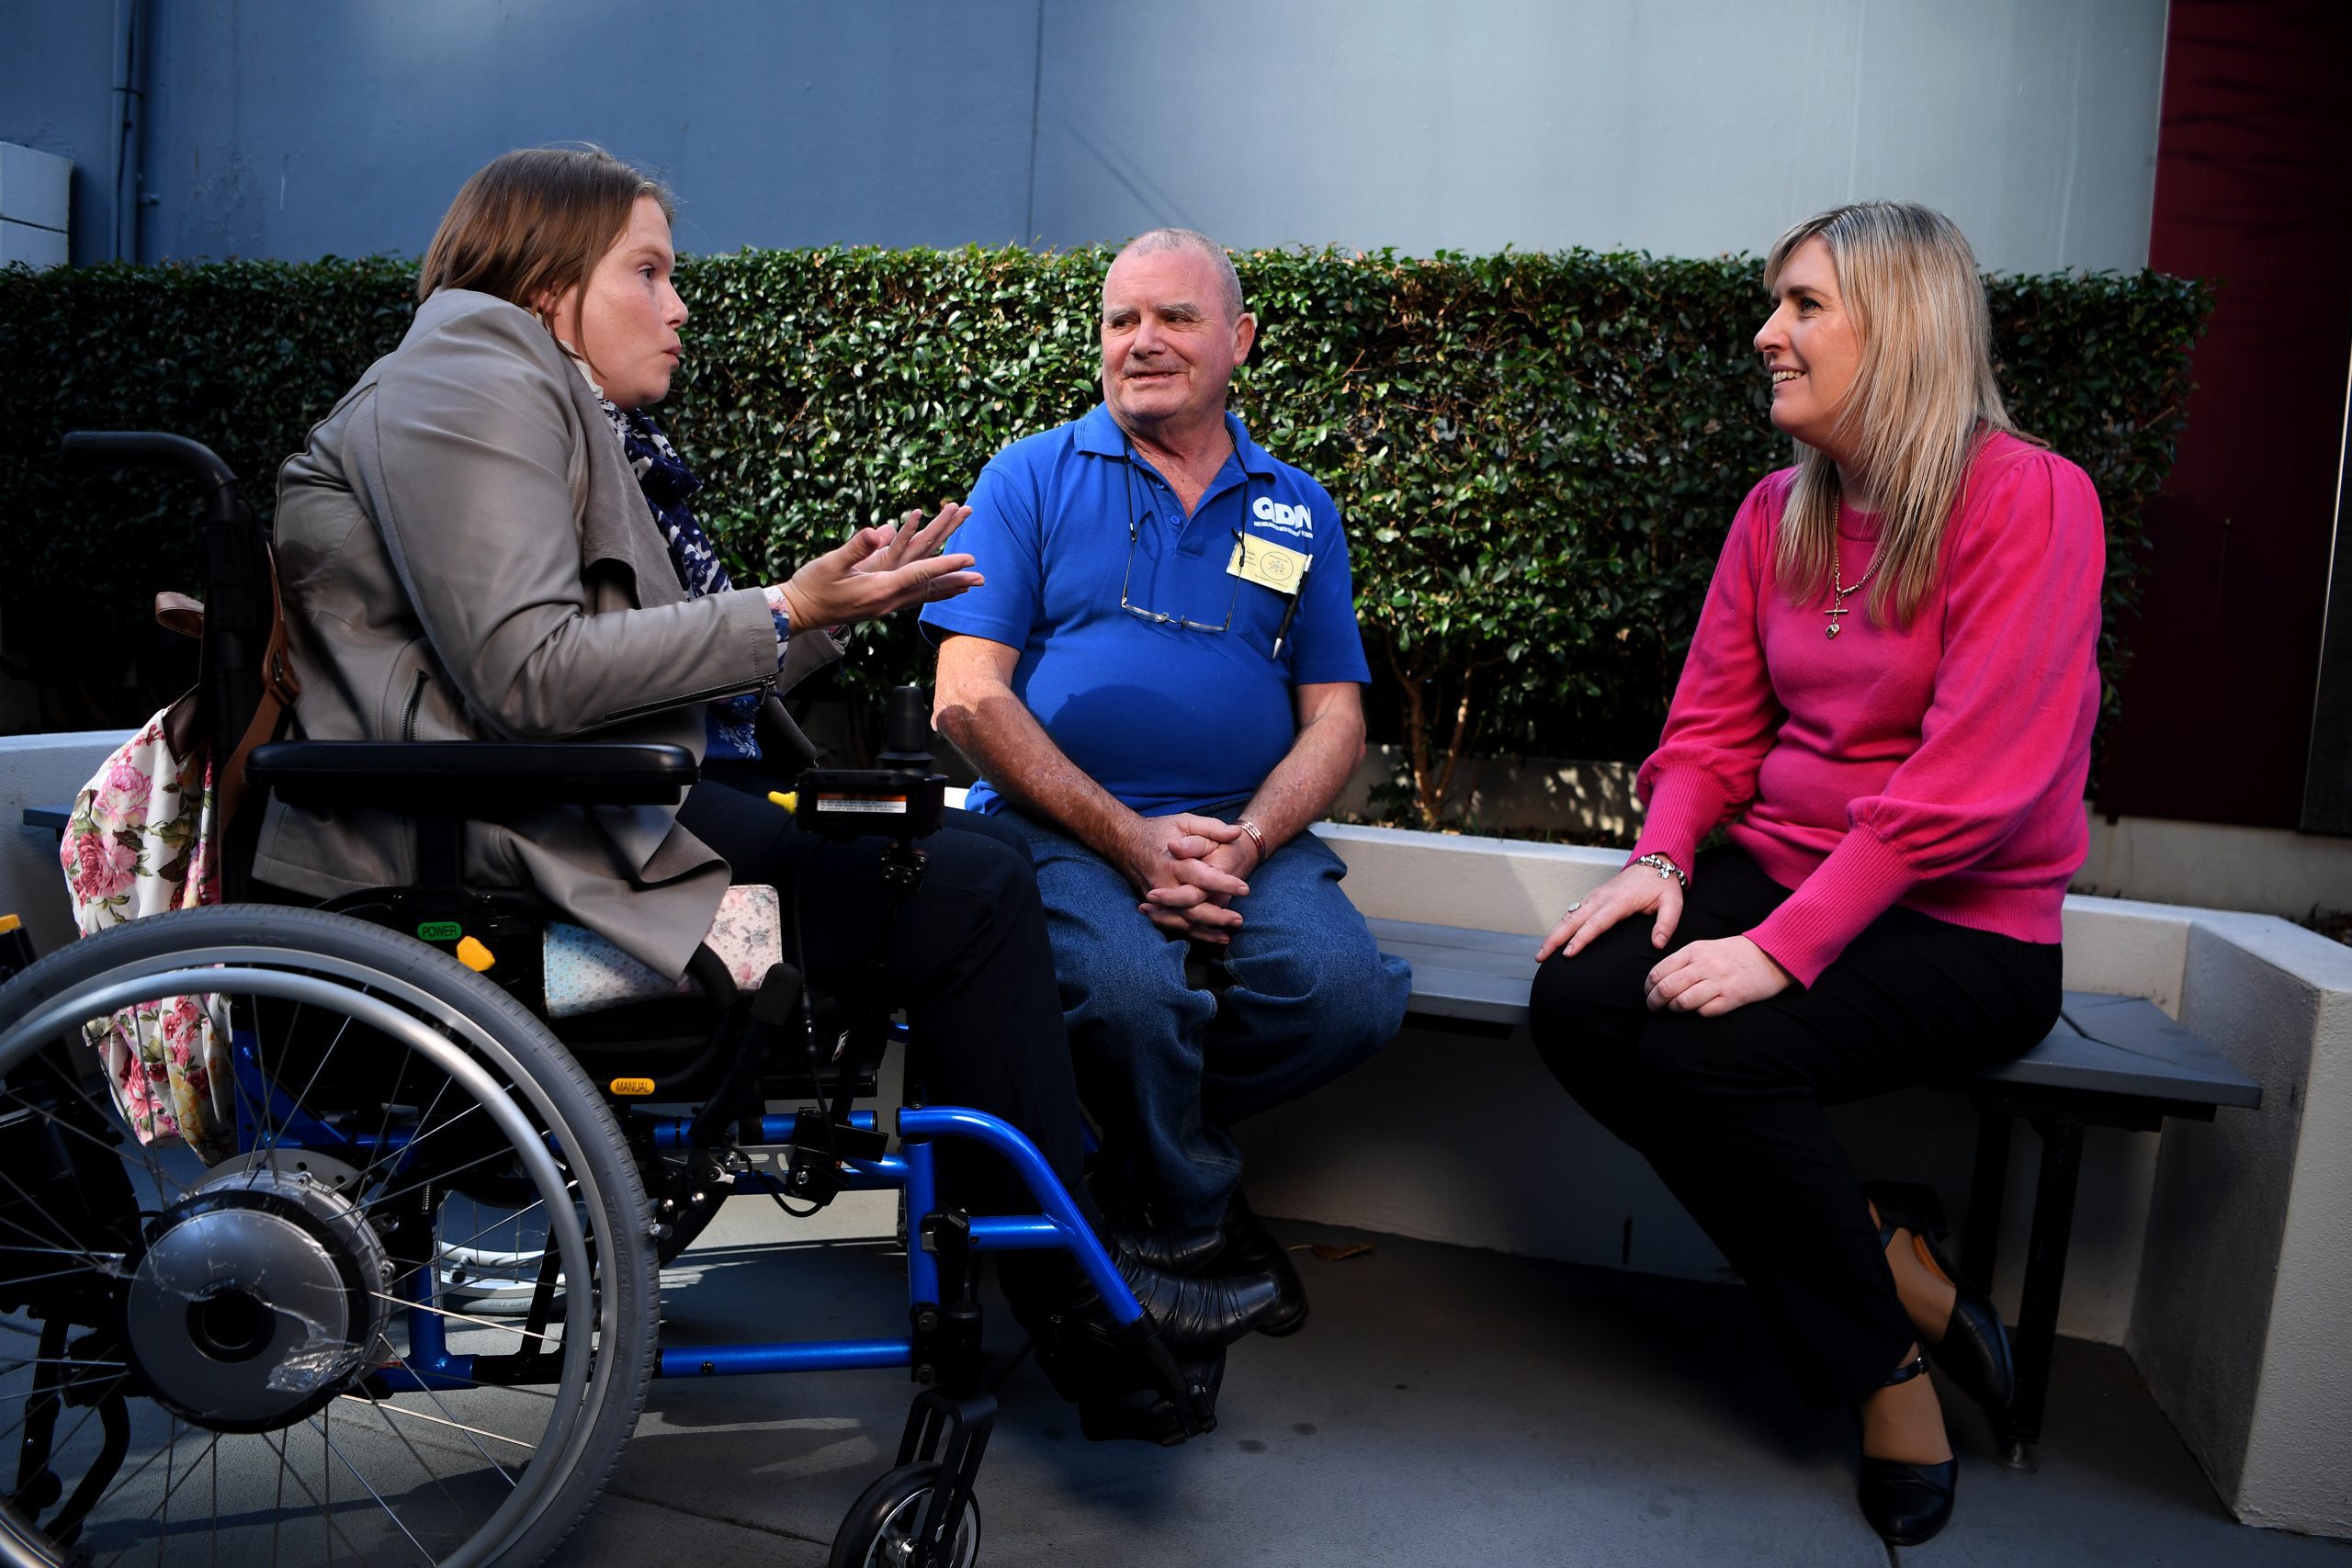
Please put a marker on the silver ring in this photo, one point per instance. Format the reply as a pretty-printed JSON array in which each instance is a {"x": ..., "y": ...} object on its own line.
[{"x": 1574, "y": 907}]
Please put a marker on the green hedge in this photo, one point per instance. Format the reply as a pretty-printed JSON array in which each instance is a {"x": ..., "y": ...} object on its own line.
[{"x": 1537, "y": 455}]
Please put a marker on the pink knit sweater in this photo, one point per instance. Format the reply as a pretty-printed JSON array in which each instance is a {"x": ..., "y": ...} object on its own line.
[{"x": 1938, "y": 766}]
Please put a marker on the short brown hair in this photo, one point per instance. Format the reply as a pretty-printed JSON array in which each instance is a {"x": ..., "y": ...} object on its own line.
[{"x": 535, "y": 222}]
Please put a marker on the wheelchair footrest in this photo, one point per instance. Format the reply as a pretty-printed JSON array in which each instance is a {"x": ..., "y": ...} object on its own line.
[
  {"x": 1134, "y": 1389},
  {"x": 1152, "y": 1414}
]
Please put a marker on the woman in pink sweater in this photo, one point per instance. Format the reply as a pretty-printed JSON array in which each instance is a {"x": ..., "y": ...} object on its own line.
[{"x": 1889, "y": 703}]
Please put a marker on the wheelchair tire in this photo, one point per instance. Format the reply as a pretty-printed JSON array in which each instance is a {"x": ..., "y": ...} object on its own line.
[
  {"x": 881, "y": 1527},
  {"x": 255, "y": 1355}
]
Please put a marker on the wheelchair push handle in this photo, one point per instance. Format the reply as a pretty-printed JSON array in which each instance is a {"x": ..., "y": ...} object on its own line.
[{"x": 160, "y": 449}]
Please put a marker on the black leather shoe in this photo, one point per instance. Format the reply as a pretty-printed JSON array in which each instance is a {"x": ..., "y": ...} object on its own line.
[
  {"x": 1250, "y": 1250},
  {"x": 1169, "y": 1251},
  {"x": 1052, "y": 1298},
  {"x": 1973, "y": 1349},
  {"x": 1195, "y": 1315},
  {"x": 1907, "y": 1504}
]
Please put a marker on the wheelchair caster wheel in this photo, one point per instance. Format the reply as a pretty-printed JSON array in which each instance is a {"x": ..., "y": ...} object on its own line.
[{"x": 882, "y": 1526}]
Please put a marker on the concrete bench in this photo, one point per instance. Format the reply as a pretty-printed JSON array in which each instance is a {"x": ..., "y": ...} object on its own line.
[{"x": 2110, "y": 1062}]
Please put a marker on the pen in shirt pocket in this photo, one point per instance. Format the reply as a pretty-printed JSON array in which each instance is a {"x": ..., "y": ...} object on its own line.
[{"x": 1242, "y": 559}]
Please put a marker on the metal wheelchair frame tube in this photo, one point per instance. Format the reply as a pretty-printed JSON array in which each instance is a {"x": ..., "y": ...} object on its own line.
[{"x": 955, "y": 1120}]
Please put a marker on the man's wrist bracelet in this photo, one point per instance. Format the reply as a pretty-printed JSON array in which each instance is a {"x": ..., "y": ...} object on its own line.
[
  {"x": 1255, "y": 836},
  {"x": 1663, "y": 865}
]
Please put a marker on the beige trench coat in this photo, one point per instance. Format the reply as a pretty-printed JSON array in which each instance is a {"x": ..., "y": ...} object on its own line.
[{"x": 465, "y": 555}]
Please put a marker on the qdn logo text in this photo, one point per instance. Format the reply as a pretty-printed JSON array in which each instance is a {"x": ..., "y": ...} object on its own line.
[{"x": 1289, "y": 519}]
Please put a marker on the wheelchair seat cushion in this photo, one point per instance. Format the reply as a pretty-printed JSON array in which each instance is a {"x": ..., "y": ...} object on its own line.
[{"x": 586, "y": 974}]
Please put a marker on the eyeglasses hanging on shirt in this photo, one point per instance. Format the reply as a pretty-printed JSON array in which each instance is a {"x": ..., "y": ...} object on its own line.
[{"x": 1261, "y": 561}]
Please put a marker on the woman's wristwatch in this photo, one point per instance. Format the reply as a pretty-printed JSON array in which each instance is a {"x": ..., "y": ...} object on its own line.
[{"x": 1663, "y": 865}]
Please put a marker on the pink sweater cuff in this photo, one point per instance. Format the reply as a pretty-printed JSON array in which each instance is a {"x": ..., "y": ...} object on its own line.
[
  {"x": 1860, "y": 881},
  {"x": 1684, "y": 807}
]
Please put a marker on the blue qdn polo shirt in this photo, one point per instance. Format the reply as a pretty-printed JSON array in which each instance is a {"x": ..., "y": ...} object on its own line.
[{"x": 1164, "y": 717}]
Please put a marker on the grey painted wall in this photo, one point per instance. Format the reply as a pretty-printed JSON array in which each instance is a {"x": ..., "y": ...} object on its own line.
[
  {"x": 1680, "y": 127},
  {"x": 286, "y": 127}
]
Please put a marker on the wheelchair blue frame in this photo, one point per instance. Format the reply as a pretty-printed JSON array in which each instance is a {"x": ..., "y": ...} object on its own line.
[{"x": 431, "y": 1364}]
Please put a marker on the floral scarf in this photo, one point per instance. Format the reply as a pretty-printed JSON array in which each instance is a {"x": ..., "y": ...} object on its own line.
[{"x": 667, "y": 482}]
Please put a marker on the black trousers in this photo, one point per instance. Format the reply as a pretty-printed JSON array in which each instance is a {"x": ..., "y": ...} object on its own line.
[
  {"x": 965, "y": 955},
  {"x": 1730, "y": 1110}
]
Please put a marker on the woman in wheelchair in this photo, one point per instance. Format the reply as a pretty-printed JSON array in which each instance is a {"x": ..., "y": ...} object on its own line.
[{"x": 489, "y": 538}]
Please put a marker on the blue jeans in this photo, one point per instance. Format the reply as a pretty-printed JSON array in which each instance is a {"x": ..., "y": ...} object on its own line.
[{"x": 1167, "y": 1069}]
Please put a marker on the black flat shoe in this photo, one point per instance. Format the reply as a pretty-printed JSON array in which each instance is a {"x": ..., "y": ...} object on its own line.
[
  {"x": 1973, "y": 1349},
  {"x": 1907, "y": 1504},
  {"x": 1169, "y": 1251},
  {"x": 1251, "y": 1249}
]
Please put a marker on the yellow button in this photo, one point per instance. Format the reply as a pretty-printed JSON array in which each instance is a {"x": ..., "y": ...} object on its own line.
[
  {"x": 790, "y": 802},
  {"x": 8, "y": 923},
  {"x": 637, "y": 1087},
  {"x": 474, "y": 955}
]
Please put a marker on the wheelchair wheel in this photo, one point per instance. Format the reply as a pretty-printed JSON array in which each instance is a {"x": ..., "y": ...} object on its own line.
[
  {"x": 258, "y": 1359},
  {"x": 880, "y": 1528}
]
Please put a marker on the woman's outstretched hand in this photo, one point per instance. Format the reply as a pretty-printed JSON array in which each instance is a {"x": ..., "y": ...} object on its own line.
[
  {"x": 1711, "y": 978},
  {"x": 881, "y": 570},
  {"x": 1633, "y": 891}
]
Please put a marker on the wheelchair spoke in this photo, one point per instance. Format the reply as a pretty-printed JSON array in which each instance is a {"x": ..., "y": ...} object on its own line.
[
  {"x": 285, "y": 1469},
  {"x": 29, "y": 1394},
  {"x": 389, "y": 1512},
  {"x": 384, "y": 1413},
  {"x": 58, "y": 1445},
  {"x": 445, "y": 1248},
  {"x": 13, "y": 1428},
  {"x": 434, "y": 1178},
  {"x": 168, "y": 1186},
  {"x": 426, "y": 1388},
  {"x": 61, "y": 1252},
  {"x": 505, "y": 1218},
  {"x": 465, "y": 1317},
  {"x": 121, "y": 1482},
  {"x": 59, "y": 1274},
  {"x": 317, "y": 1067},
  {"x": 391, "y": 1103},
  {"x": 171, "y": 1489},
  {"x": 63, "y": 1232},
  {"x": 431, "y": 1130},
  {"x": 405, "y": 1414}
]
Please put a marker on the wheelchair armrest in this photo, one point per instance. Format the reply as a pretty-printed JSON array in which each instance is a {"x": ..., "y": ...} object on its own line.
[{"x": 481, "y": 780}]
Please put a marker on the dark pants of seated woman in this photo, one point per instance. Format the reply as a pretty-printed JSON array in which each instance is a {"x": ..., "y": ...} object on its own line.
[
  {"x": 967, "y": 956},
  {"x": 1731, "y": 1111}
]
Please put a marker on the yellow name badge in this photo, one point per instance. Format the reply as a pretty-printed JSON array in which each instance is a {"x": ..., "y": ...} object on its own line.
[{"x": 1268, "y": 564}]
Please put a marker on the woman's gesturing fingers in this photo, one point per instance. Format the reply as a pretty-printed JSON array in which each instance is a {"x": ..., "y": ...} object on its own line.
[
  {"x": 845, "y": 583},
  {"x": 1633, "y": 891},
  {"x": 928, "y": 538}
]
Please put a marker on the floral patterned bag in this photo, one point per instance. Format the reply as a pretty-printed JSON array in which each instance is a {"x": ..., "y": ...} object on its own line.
[
  {"x": 142, "y": 843},
  {"x": 144, "y": 840}
]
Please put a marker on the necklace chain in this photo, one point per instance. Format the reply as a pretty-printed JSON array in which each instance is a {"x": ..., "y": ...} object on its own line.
[{"x": 1838, "y": 589}]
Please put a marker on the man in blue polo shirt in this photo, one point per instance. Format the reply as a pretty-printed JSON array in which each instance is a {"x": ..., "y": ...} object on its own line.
[{"x": 1159, "y": 680}]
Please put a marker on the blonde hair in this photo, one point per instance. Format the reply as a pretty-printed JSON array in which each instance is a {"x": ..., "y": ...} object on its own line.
[
  {"x": 535, "y": 224},
  {"x": 1922, "y": 400}
]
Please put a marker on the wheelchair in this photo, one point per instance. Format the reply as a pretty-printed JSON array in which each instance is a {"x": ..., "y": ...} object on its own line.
[{"x": 413, "y": 1312}]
